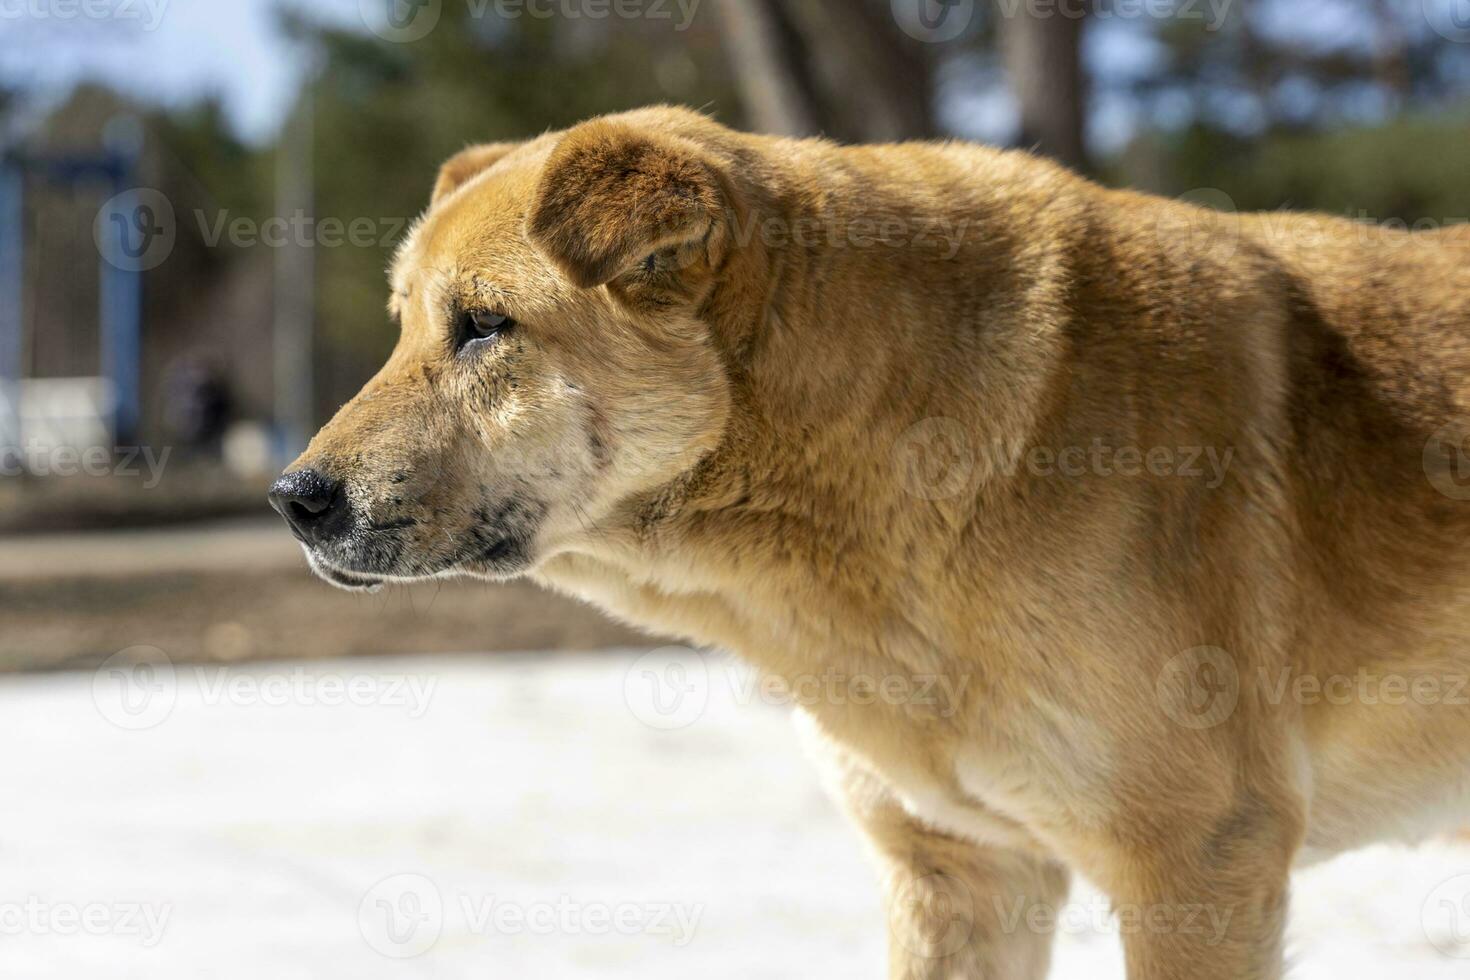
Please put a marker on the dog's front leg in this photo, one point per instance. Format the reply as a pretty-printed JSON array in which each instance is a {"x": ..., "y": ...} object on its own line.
[
  {"x": 961, "y": 911},
  {"x": 1206, "y": 902},
  {"x": 956, "y": 910}
]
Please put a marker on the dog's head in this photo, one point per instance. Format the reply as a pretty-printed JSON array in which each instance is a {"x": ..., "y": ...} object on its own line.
[{"x": 551, "y": 363}]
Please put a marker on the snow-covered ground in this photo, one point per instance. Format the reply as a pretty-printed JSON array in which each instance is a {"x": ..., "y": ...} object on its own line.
[{"x": 515, "y": 817}]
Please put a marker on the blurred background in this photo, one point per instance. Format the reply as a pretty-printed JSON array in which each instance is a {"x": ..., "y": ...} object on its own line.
[
  {"x": 199, "y": 200},
  {"x": 197, "y": 203}
]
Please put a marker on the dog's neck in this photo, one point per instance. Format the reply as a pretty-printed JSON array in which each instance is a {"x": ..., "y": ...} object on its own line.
[{"x": 838, "y": 377}]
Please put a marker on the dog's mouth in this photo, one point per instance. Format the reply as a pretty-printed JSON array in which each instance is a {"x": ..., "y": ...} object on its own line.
[
  {"x": 342, "y": 578},
  {"x": 497, "y": 557},
  {"x": 497, "y": 545}
]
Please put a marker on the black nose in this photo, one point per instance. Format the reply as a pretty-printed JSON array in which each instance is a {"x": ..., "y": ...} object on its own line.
[{"x": 313, "y": 505}]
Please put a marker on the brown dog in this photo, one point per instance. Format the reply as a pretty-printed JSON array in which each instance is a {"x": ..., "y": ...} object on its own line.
[{"x": 1124, "y": 536}]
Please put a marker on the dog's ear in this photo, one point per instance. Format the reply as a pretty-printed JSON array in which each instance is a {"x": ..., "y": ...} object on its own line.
[
  {"x": 466, "y": 164},
  {"x": 614, "y": 199}
]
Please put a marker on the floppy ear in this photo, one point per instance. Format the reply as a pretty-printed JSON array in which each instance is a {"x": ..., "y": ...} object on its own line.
[
  {"x": 465, "y": 164},
  {"x": 613, "y": 197}
]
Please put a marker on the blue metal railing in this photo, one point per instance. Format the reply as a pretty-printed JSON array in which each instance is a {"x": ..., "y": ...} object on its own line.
[{"x": 120, "y": 313}]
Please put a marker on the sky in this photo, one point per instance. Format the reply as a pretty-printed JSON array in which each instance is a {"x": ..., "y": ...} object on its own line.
[
  {"x": 173, "y": 51},
  {"x": 163, "y": 50}
]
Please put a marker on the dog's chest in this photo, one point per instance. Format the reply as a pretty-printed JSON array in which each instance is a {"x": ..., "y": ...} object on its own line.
[
  {"x": 1009, "y": 776},
  {"x": 920, "y": 780},
  {"x": 920, "y": 721}
]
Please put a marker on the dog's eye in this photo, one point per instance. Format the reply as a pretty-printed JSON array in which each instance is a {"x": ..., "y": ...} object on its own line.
[{"x": 480, "y": 325}]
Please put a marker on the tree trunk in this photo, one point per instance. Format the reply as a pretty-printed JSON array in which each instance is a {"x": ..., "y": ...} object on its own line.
[
  {"x": 770, "y": 65},
  {"x": 837, "y": 68},
  {"x": 1043, "y": 56}
]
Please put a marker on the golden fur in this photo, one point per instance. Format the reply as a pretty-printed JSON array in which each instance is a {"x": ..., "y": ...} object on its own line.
[{"x": 1131, "y": 480}]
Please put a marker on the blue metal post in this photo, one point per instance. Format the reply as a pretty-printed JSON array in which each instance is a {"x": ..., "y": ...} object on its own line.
[
  {"x": 12, "y": 306},
  {"x": 121, "y": 318}
]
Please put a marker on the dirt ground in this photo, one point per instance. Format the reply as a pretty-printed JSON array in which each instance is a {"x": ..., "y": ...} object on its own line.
[{"x": 240, "y": 590}]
